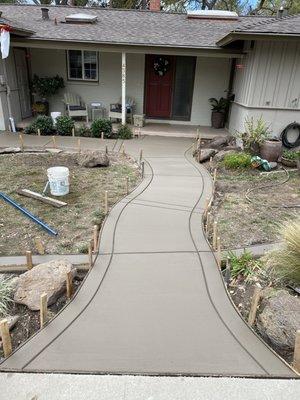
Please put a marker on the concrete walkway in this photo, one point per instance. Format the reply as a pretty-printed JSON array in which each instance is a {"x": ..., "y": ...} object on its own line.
[{"x": 154, "y": 302}]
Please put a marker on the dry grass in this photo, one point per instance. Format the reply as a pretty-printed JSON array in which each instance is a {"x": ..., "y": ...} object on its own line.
[{"x": 73, "y": 222}]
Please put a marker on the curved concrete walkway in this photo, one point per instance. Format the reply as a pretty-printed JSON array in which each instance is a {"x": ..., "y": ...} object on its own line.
[{"x": 154, "y": 302}]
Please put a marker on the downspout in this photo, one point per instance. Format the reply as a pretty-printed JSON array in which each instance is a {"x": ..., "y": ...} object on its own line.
[{"x": 8, "y": 91}]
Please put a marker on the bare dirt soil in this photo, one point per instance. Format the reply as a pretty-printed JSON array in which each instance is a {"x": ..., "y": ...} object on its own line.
[
  {"x": 74, "y": 222},
  {"x": 243, "y": 223}
]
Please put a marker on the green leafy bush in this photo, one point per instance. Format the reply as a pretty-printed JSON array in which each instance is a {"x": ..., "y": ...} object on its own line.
[
  {"x": 84, "y": 131},
  {"x": 5, "y": 295},
  {"x": 244, "y": 264},
  {"x": 43, "y": 123},
  {"x": 237, "y": 160},
  {"x": 64, "y": 125},
  {"x": 286, "y": 260},
  {"x": 255, "y": 133},
  {"x": 291, "y": 155},
  {"x": 124, "y": 132},
  {"x": 101, "y": 125}
]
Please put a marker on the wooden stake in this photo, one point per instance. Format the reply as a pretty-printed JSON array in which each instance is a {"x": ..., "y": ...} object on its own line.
[
  {"x": 123, "y": 149},
  {"x": 6, "y": 340},
  {"x": 210, "y": 163},
  {"x": 78, "y": 145},
  {"x": 29, "y": 259},
  {"x": 228, "y": 271},
  {"x": 215, "y": 175},
  {"x": 106, "y": 149},
  {"x": 127, "y": 185},
  {"x": 296, "y": 360},
  {"x": 106, "y": 202},
  {"x": 44, "y": 199},
  {"x": 43, "y": 309},
  {"x": 219, "y": 258},
  {"x": 102, "y": 135},
  {"x": 197, "y": 136},
  {"x": 54, "y": 142},
  {"x": 141, "y": 155},
  {"x": 39, "y": 132},
  {"x": 254, "y": 305},
  {"x": 90, "y": 253},
  {"x": 95, "y": 237},
  {"x": 69, "y": 284},
  {"x": 207, "y": 226},
  {"x": 39, "y": 245},
  {"x": 21, "y": 142},
  {"x": 73, "y": 131},
  {"x": 215, "y": 231}
]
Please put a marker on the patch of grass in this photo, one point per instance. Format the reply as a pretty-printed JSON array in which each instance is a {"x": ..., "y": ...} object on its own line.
[
  {"x": 244, "y": 264},
  {"x": 286, "y": 260},
  {"x": 237, "y": 161},
  {"x": 5, "y": 295}
]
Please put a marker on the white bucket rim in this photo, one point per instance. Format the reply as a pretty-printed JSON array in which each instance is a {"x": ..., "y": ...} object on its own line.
[{"x": 59, "y": 170}]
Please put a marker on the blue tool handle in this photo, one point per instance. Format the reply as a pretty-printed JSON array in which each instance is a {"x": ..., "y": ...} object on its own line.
[{"x": 28, "y": 214}]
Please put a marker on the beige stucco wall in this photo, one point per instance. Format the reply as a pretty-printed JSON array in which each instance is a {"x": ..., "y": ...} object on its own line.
[
  {"x": 108, "y": 90},
  {"x": 268, "y": 85}
]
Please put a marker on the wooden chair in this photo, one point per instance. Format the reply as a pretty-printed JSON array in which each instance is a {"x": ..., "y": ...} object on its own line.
[
  {"x": 115, "y": 110},
  {"x": 75, "y": 107}
]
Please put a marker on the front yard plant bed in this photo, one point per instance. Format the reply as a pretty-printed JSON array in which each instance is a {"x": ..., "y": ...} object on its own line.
[
  {"x": 85, "y": 202},
  {"x": 242, "y": 223}
]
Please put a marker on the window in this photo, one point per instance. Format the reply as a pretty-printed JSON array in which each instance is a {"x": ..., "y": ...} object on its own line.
[{"x": 82, "y": 65}]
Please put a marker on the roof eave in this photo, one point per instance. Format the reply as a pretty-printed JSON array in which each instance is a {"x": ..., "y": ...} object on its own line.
[{"x": 234, "y": 36}]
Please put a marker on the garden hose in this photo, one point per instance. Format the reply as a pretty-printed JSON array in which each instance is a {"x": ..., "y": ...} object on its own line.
[
  {"x": 286, "y": 179},
  {"x": 284, "y": 134}
]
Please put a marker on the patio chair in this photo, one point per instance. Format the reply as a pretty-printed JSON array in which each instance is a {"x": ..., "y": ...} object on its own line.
[
  {"x": 75, "y": 107},
  {"x": 115, "y": 110}
]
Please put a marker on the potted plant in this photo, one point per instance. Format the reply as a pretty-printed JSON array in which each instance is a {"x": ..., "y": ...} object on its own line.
[
  {"x": 46, "y": 87},
  {"x": 40, "y": 108},
  {"x": 219, "y": 110}
]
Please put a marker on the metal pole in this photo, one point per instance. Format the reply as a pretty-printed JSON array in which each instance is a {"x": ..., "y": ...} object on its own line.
[{"x": 123, "y": 88}]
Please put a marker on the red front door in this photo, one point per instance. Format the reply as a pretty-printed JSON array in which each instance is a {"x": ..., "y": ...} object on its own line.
[{"x": 159, "y": 86}]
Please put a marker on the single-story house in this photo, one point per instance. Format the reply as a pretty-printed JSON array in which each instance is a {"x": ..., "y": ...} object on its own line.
[{"x": 169, "y": 63}]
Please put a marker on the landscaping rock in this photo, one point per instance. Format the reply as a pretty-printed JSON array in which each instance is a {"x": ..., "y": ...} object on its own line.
[
  {"x": 217, "y": 142},
  {"x": 205, "y": 154},
  {"x": 91, "y": 159},
  {"x": 11, "y": 321},
  {"x": 221, "y": 154},
  {"x": 47, "y": 278},
  {"x": 8, "y": 150},
  {"x": 280, "y": 319}
]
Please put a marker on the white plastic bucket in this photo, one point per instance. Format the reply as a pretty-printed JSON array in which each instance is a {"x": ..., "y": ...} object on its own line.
[
  {"x": 58, "y": 178},
  {"x": 54, "y": 115}
]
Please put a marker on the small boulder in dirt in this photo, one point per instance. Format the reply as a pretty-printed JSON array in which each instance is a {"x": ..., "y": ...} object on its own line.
[
  {"x": 92, "y": 159},
  {"x": 205, "y": 154},
  {"x": 11, "y": 321},
  {"x": 217, "y": 142},
  {"x": 49, "y": 278},
  {"x": 280, "y": 319}
]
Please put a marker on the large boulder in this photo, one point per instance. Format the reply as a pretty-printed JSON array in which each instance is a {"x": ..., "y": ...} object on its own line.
[
  {"x": 279, "y": 319},
  {"x": 91, "y": 159},
  {"x": 49, "y": 278},
  {"x": 221, "y": 154},
  {"x": 218, "y": 142}
]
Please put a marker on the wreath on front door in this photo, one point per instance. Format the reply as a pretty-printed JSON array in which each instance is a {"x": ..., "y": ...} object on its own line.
[{"x": 161, "y": 65}]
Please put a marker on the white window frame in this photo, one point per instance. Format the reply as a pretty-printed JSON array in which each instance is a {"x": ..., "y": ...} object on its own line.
[{"x": 82, "y": 64}]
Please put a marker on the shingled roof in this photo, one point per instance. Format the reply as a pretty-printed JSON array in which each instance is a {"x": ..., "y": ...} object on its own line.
[
  {"x": 289, "y": 25},
  {"x": 127, "y": 27}
]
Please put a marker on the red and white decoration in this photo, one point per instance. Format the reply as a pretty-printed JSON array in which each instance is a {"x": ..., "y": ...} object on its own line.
[{"x": 5, "y": 40}]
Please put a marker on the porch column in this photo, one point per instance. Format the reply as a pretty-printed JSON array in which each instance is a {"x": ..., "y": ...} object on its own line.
[{"x": 123, "y": 88}]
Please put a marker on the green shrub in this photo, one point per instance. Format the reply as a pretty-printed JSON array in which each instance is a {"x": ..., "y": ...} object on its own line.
[
  {"x": 124, "y": 132},
  {"x": 64, "y": 125},
  {"x": 237, "y": 160},
  {"x": 244, "y": 264},
  {"x": 43, "y": 123},
  {"x": 5, "y": 295},
  {"x": 286, "y": 260},
  {"x": 84, "y": 131},
  {"x": 101, "y": 125},
  {"x": 291, "y": 155},
  {"x": 255, "y": 133},
  {"x": 47, "y": 86}
]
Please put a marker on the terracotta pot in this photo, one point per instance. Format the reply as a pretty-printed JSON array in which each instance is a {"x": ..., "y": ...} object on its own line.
[
  {"x": 217, "y": 119},
  {"x": 271, "y": 150}
]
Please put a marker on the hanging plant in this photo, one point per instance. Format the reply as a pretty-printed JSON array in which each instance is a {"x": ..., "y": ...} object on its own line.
[
  {"x": 47, "y": 86},
  {"x": 161, "y": 65}
]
